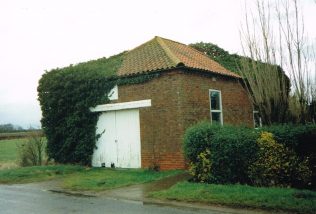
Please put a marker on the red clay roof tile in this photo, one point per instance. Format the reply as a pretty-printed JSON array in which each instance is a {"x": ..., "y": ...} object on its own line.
[{"x": 160, "y": 54}]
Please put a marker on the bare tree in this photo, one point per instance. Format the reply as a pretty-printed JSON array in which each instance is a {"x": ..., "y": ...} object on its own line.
[
  {"x": 32, "y": 152},
  {"x": 265, "y": 81},
  {"x": 274, "y": 35}
]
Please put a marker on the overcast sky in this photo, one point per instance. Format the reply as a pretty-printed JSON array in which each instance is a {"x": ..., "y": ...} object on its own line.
[{"x": 38, "y": 35}]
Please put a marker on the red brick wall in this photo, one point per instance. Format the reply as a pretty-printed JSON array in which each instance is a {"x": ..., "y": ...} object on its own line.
[
  {"x": 236, "y": 106},
  {"x": 180, "y": 99}
]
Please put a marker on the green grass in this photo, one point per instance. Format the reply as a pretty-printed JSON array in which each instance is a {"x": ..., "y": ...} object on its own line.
[
  {"x": 8, "y": 149},
  {"x": 36, "y": 173},
  {"x": 300, "y": 201},
  {"x": 80, "y": 178},
  {"x": 97, "y": 179}
]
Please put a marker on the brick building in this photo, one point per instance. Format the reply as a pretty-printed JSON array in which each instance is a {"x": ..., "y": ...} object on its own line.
[{"x": 144, "y": 124}]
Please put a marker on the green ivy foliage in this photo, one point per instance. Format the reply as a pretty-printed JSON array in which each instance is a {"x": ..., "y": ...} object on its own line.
[
  {"x": 230, "y": 61},
  {"x": 141, "y": 78},
  {"x": 65, "y": 95}
]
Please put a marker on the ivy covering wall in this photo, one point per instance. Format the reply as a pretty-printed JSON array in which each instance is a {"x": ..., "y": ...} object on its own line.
[
  {"x": 223, "y": 57},
  {"x": 65, "y": 95}
]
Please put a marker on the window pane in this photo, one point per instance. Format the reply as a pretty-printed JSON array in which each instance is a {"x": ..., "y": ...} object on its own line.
[
  {"x": 256, "y": 117},
  {"x": 216, "y": 117},
  {"x": 215, "y": 104}
]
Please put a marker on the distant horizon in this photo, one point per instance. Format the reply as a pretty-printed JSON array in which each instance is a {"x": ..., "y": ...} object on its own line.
[{"x": 26, "y": 127}]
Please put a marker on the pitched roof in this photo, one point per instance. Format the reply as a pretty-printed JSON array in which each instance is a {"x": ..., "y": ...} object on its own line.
[{"x": 160, "y": 54}]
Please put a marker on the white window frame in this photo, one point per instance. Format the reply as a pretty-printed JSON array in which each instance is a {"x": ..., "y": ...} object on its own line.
[
  {"x": 220, "y": 105},
  {"x": 254, "y": 120},
  {"x": 113, "y": 94}
]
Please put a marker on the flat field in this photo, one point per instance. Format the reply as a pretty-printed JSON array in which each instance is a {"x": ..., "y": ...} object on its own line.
[{"x": 8, "y": 152}]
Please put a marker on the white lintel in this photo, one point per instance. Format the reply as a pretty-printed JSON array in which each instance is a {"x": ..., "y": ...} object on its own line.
[{"x": 121, "y": 106}]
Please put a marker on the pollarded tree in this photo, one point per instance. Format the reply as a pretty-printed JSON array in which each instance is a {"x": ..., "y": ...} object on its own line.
[{"x": 274, "y": 34}]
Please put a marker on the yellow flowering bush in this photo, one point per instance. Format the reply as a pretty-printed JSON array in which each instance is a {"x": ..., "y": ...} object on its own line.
[
  {"x": 201, "y": 169},
  {"x": 276, "y": 165}
]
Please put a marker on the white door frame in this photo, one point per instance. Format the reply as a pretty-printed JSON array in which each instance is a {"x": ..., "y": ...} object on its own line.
[{"x": 121, "y": 106}]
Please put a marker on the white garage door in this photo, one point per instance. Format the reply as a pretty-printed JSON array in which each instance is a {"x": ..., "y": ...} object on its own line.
[{"x": 119, "y": 143}]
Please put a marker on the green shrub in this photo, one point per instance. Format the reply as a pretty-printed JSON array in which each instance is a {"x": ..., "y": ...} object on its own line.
[
  {"x": 197, "y": 138},
  {"x": 201, "y": 168},
  {"x": 231, "y": 155},
  {"x": 32, "y": 152},
  {"x": 294, "y": 136},
  {"x": 232, "y": 149},
  {"x": 277, "y": 165},
  {"x": 299, "y": 138}
]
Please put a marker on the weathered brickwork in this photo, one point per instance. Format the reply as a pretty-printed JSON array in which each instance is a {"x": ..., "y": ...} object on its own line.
[{"x": 180, "y": 99}]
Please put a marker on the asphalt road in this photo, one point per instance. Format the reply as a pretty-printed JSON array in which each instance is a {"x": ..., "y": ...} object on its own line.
[{"x": 28, "y": 198}]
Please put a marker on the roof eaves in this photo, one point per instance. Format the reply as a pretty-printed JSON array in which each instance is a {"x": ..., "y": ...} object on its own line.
[
  {"x": 214, "y": 72},
  {"x": 181, "y": 66},
  {"x": 148, "y": 71}
]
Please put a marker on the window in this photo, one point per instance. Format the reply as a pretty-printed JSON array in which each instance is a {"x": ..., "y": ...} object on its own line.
[
  {"x": 257, "y": 119},
  {"x": 113, "y": 94},
  {"x": 216, "y": 106}
]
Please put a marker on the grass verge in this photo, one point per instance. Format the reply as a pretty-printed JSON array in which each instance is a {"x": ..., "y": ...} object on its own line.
[
  {"x": 36, "y": 173},
  {"x": 293, "y": 200},
  {"x": 97, "y": 179}
]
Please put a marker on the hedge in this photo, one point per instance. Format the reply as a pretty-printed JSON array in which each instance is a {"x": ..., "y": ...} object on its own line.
[
  {"x": 277, "y": 165},
  {"x": 227, "y": 153},
  {"x": 232, "y": 150},
  {"x": 300, "y": 138}
]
